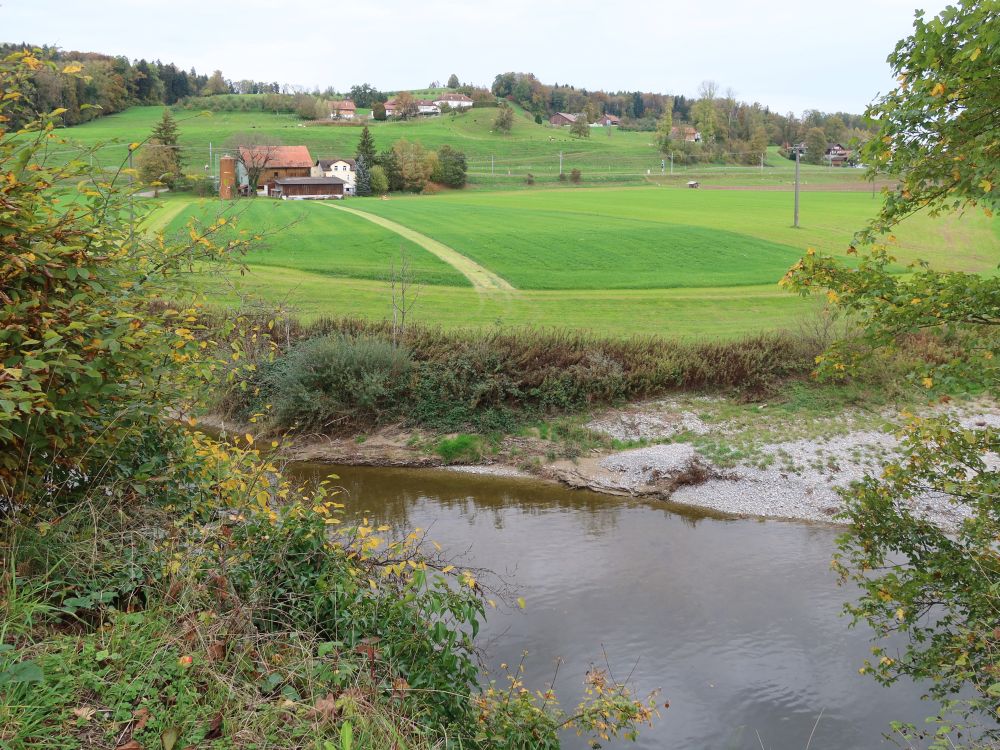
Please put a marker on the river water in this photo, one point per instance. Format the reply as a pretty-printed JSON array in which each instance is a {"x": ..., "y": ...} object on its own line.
[{"x": 736, "y": 621}]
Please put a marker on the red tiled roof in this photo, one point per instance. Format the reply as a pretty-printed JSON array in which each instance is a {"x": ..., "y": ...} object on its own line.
[
  {"x": 346, "y": 104},
  {"x": 453, "y": 98},
  {"x": 278, "y": 156}
]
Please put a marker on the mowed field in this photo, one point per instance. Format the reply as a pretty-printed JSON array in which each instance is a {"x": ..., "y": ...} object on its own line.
[{"x": 616, "y": 261}]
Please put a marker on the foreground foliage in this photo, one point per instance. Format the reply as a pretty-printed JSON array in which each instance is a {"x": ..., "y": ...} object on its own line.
[{"x": 161, "y": 589}]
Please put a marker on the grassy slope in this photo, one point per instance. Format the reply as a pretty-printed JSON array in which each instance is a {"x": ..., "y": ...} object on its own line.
[{"x": 622, "y": 156}]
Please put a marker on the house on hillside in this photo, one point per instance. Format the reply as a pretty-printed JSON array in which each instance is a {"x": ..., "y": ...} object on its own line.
[
  {"x": 307, "y": 188},
  {"x": 343, "y": 169},
  {"x": 685, "y": 133},
  {"x": 424, "y": 107},
  {"x": 563, "y": 118},
  {"x": 277, "y": 162},
  {"x": 453, "y": 100},
  {"x": 343, "y": 110},
  {"x": 836, "y": 155},
  {"x": 607, "y": 120}
]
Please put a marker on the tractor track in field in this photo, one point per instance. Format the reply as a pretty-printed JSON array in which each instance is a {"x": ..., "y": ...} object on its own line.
[{"x": 482, "y": 279}]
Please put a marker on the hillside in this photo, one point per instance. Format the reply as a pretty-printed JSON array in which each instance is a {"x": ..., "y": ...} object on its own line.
[{"x": 608, "y": 155}]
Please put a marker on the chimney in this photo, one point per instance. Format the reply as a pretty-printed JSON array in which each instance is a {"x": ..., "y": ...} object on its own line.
[{"x": 227, "y": 177}]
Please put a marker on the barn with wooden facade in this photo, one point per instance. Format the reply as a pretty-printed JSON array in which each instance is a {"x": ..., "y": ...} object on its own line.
[
  {"x": 276, "y": 162},
  {"x": 307, "y": 188}
]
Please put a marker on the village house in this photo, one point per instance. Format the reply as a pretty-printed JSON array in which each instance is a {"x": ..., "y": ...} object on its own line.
[
  {"x": 343, "y": 110},
  {"x": 608, "y": 119},
  {"x": 684, "y": 133},
  {"x": 343, "y": 169},
  {"x": 307, "y": 188},
  {"x": 836, "y": 155},
  {"x": 563, "y": 118},
  {"x": 453, "y": 100},
  {"x": 424, "y": 107},
  {"x": 279, "y": 162}
]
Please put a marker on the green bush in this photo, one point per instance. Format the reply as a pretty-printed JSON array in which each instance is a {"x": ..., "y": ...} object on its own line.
[
  {"x": 460, "y": 449},
  {"x": 336, "y": 382}
]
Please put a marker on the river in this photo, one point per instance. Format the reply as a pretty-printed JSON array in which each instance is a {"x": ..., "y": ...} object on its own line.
[{"x": 737, "y": 621}]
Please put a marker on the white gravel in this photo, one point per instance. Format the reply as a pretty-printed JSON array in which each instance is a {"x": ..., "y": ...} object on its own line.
[
  {"x": 657, "y": 420},
  {"x": 797, "y": 479},
  {"x": 644, "y": 466}
]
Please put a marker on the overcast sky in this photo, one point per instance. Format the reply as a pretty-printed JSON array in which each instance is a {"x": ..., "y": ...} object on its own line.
[{"x": 789, "y": 56}]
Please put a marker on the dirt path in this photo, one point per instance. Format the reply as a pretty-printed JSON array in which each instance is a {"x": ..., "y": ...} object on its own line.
[
  {"x": 164, "y": 215},
  {"x": 482, "y": 279}
]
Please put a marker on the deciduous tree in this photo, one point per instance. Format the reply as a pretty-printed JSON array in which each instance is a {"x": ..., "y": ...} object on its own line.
[
  {"x": 504, "y": 120},
  {"x": 580, "y": 128},
  {"x": 453, "y": 82},
  {"x": 941, "y": 589},
  {"x": 815, "y": 146}
]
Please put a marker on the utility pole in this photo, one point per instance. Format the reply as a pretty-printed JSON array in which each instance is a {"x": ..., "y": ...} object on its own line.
[
  {"x": 798, "y": 151},
  {"x": 560, "y": 162},
  {"x": 671, "y": 163}
]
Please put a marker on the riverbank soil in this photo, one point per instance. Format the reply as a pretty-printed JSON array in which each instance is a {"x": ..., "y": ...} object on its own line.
[{"x": 762, "y": 460}]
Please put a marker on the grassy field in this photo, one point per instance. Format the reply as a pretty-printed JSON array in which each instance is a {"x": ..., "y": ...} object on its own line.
[
  {"x": 614, "y": 261},
  {"x": 312, "y": 239},
  {"x": 496, "y": 161}
]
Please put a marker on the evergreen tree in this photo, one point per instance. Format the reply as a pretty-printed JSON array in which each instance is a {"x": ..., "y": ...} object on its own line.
[
  {"x": 165, "y": 133},
  {"x": 453, "y": 82},
  {"x": 451, "y": 169},
  {"x": 363, "y": 181},
  {"x": 366, "y": 146}
]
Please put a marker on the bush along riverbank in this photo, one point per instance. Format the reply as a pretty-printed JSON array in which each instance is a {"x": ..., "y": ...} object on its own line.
[{"x": 741, "y": 427}]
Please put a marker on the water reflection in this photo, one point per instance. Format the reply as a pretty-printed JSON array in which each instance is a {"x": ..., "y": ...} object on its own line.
[{"x": 737, "y": 620}]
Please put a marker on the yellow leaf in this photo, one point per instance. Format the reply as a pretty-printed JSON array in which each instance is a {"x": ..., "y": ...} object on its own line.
[
  {"x": 133, "y": 146},
  {"x": 520, "y": 602},
  {"x": 76, "y": 68},
  {"x": 447, "y": 568},
  {"x": 832, "y": 296},
  {"x": 975, "y": 53},
  {"x": 249, "y": 438},
  {"x": 986, "y": 185},
  {"x": 937, "y": 90},
  {"x": 928, "y": 382}
]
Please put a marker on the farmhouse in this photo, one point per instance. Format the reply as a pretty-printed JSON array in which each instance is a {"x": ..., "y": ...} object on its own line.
[
  {"x": 424, "y": 107},
  {"x": 343, "y": 169},
  {"x": 563, "y": 118},
  {"x": 608, "y": 119},
  {"x": 836, "y": 155},
  {"x": 279, "y": 162},
  {"x": 342, "y": 110},
  {"x": 453, "y": 100},
  {"x": 684, "y": 133},
  {"x": 307, "y": 188}
]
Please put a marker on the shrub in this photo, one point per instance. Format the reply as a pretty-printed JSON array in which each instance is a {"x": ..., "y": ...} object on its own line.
[
  {"x": 575, "y": 176},
  {"x": 562, "y": 177},
  {"x": 529, "y": 179},
  {"x": 460, "y": 449},
  {"x": 336, "y": 382}
]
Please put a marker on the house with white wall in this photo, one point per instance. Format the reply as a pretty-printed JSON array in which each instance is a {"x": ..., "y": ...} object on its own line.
[{"x": 345, "y": 169}]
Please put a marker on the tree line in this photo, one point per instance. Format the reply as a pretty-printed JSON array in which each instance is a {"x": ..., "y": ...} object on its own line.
[{"x": 729, "y": 129}]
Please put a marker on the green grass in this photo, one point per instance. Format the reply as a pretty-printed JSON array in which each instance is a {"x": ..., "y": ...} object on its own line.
[
  {"x": 658, "y": 237},
  {"x": 316, "y": 240},
  {"x": 495, "y": 160},
  {"x": 548, "y": 242}
]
